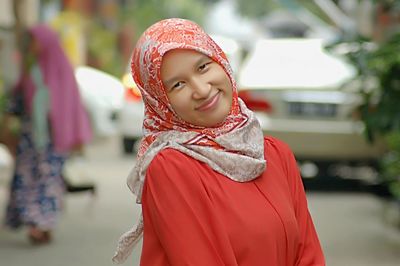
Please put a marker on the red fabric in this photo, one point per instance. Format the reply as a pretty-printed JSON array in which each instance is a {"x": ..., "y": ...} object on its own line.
[{"x": 195, "y": 216}]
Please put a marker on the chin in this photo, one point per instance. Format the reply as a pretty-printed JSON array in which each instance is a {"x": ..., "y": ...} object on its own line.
[{"x": 216, "y": 123}]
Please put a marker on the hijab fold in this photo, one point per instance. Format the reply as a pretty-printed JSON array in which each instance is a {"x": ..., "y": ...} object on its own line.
[{"x": 234, "y": 149}]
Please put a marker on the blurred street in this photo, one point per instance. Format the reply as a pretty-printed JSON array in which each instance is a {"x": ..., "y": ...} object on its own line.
[{"x": 350, "y": 226}]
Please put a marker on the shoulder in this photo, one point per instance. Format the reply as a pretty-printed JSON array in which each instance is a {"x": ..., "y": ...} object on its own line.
[
  {"x": 276, "y": 146},
  {"x": 279, "y": 154},
  {"x": 170, "y": 166},
  {"x": 170, "y": 157}
]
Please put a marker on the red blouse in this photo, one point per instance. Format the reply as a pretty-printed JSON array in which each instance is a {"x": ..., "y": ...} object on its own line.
[{"x": 196, "y": 216}]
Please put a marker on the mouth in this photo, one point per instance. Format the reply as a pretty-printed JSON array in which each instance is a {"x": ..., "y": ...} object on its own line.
[{"x": 210, "y": 103}]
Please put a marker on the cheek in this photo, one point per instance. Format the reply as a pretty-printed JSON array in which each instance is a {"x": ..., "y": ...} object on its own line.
[
  {"x": 229, "y": 89},
  {"x": 179, "y": 102},
  {"x": 225, "y": 81},
  {"x": 177, "y": 107}
]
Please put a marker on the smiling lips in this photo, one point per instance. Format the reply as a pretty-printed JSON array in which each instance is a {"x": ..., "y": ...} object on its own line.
[{"x": 210, "y": 103}]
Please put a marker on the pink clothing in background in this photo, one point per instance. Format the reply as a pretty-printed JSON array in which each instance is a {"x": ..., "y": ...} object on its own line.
[{"x": 69, "y": 121}]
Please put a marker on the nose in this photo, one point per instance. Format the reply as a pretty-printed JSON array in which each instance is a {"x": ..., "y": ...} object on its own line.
[{"x": 200, "y": 88}]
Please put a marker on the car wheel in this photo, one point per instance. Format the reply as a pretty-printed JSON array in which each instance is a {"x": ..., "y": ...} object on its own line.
[{"x": 128, "y": 145}]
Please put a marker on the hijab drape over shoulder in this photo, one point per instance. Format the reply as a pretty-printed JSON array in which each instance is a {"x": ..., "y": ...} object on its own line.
[
  {"x": 234, "y": 148},
  {"x": 68, "y": 119}
]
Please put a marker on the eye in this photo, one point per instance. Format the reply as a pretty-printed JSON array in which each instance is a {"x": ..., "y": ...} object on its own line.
[
  {"x": 177, "y": 85},
  {"x": 204, "y": 66}
]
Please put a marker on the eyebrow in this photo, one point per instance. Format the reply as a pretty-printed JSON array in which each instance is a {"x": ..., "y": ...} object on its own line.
[{"x": 202, "y": 58}]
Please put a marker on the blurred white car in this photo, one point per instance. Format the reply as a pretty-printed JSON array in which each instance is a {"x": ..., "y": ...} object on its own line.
[
  {"x": 132, "y": 110},
  {"x": 102, "y": 95},
  {"x": 6, "y": 166},
  {"x": 308, "y": 108},
  {"x": 131, "y": 115}
]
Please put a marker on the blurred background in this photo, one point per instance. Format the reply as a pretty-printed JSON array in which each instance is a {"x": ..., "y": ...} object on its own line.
[{"x": 322, "y": 75}]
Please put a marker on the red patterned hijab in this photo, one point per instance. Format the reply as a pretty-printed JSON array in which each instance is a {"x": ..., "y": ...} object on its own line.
[
  {"x": 160, "y": 38},
  {"x": 235, "y": 148}
]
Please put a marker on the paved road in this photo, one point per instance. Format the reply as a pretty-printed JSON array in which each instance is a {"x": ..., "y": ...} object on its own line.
[{"x": 350, "y": 226}]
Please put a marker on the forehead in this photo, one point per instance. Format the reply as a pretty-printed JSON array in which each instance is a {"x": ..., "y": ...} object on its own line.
[
  {"x": 180, "y": 60},
  {"x": 187, "y": 53}
]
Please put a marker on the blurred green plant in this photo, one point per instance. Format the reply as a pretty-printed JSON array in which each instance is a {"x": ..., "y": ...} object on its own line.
[
  {"x": 380, "y": 68},
  {"x": 2, "y": 99},
  {"x": 391, "y": 164},
  {"x": 378, "y": 81},
  {"x": 261, "y": 8},
  {"x": 143, "y": 13},
  {"x": 8, "y": 127},
  {"x": 102, "y": 49},
  {"x": 11, "y": 124},
  {"x": 257, "y": 8}
]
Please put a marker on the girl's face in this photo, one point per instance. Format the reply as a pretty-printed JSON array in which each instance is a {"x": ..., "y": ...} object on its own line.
[{"x": 198, "y": 89}]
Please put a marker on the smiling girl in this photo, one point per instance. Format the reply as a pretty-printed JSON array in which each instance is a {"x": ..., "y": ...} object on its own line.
[{"x": 213, "y": 189}]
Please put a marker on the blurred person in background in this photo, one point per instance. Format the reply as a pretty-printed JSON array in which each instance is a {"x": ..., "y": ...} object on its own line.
[
  {"x": 213, "y": 189},
  {"x": 71, "y": 25},
  {"x": 53, "y": 123}
]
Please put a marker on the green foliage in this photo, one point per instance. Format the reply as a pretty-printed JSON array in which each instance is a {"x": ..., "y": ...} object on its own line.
[
  {"x": 3, "y": 97},
  {"x": 378, "y": 79},
  {"x": 261, "y": 8},
  {"x": 2, "y": 100},
  {"x": 381, "y": 109},
  {"x": 11, "y": 125},
  {"x": 102, "y": 48},
  {"x": 316, "y": 10},
  {"x": 391, "y": 164},
  {"x": 143, "y": 13},
  {"x": 379, "y": 83},
  {"x": 256, "y": 8}
]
